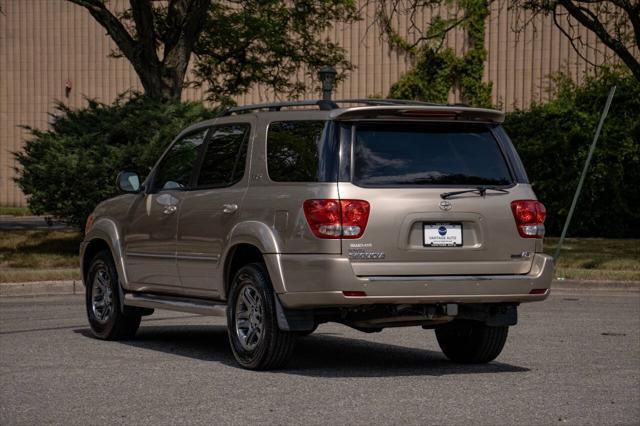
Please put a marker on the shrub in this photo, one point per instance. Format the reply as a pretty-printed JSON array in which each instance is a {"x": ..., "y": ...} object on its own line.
[
  {"x": 553, "y": 140},
  {"x": 68, "y": 170}
]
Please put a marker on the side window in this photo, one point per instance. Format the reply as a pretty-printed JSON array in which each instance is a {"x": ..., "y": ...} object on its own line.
[
  {"x": 225, "y": 157},
  {"x": 174, "y": 172},
  {"x": 293, "y": 150}
]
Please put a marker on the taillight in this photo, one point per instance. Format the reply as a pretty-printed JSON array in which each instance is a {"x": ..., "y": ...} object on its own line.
[
  {"x": 529, "y": 215},
  {"x": 330, "y": 218}
]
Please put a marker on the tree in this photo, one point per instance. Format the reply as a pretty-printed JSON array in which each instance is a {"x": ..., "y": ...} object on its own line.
[
  {"x": 234, "y": 44},
  {"x": 553, "y": 140},
  {"x": 438, "y": 70},
  {"x": 616, "y": 23}
]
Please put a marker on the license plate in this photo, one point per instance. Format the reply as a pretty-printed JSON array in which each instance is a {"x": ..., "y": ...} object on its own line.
[{"x": 442, "y": 234}]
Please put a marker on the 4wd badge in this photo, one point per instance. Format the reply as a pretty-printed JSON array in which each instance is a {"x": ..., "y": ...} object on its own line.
[{"x": 365, "y": 255}]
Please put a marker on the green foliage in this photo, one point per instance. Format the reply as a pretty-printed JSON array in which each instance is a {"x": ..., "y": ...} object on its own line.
[
  {"x": 438, "y": 70},
  {"x": 553, "y": 140},
  {"x": 245, "y": 43},
  {"x": 266, "y": 42},
  {"x": 431, "y": 79},
  {"x": 68, "y": 170}
]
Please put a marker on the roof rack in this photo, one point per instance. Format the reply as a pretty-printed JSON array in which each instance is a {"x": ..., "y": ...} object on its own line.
[
  {"x": 324, "y": 105},
  {"x": 277, "y": 106}
]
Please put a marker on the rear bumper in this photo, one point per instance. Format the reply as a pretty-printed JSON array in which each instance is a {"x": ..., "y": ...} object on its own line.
[{"x": 306, "y": 281}]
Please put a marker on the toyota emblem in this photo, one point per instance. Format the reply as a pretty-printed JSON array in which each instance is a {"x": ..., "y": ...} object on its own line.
[{"x": 445, "y": 205}]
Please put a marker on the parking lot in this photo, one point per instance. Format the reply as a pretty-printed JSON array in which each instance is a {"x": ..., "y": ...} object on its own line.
[{"x": 574, "y": 359}]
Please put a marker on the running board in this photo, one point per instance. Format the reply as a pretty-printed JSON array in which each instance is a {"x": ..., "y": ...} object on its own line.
[{"x": 173, "y": 303}]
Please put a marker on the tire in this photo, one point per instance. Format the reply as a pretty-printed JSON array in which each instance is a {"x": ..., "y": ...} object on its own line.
[
  {"x": 102, "y": 299},
  {"x": 471, "y": 342},
  {"x": 256, "y": 340}
]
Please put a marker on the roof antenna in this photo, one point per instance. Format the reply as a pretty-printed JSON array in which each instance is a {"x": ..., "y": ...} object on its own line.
[{"x": 327, "y": 76}]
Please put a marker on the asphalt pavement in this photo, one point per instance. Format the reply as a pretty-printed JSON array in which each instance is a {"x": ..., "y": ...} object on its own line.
[{"x": 574, "y": 359}]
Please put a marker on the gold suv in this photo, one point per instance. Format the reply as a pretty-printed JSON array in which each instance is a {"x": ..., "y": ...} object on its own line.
[{"x": 370, "y": 213}]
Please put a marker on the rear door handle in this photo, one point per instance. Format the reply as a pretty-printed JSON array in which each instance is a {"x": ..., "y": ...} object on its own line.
[
  {"x": 229, "y": 208},
  {"x": 170, "y": 209}
]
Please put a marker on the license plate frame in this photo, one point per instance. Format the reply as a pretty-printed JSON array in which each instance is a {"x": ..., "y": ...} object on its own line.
[{"x": 429, "y": 228}]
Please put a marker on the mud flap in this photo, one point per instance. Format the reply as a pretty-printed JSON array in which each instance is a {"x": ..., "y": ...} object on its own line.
[
  {"x": 293, "y": 320},
  {"x": 131, "y": 310},
  {"x": 493, "y": 315}
]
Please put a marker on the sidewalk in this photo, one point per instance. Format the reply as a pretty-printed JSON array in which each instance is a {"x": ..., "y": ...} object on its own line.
[{"x": 52, "y": 288}]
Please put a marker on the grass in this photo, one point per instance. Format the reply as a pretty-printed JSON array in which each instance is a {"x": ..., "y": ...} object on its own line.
[
  {"x": 597, "y": 259},
  {"x": 53, "y": 255},
  {"x": 29, "y": 275},
  {"x": 39, "y": 255},
  {"x": 14, "y": 211}
]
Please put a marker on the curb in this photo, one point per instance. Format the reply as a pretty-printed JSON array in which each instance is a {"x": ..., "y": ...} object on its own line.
[
  {"x": 53, "y": 288},
  {"x": 629, "y": 286},
  {"x": 41, "y": 288}
]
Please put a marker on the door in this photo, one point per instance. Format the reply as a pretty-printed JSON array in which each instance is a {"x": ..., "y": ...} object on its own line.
[
  {"x": 150, "y": 237},
  {"x": 403, "y": 170},
  {"x": 212, "y": 209}
]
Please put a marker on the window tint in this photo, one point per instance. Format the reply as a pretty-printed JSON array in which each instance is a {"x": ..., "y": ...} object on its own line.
[
  {"x": 174, "y": 172},
  {"x": 295, "y": 151},
  {"x": 225, "y": 157},
  {"x": 429, "y": 154}
]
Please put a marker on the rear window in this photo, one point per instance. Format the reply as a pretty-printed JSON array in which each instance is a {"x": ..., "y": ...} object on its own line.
[
  {"x": 427, "y": 154},
  {"x": 299, "y": 151}
]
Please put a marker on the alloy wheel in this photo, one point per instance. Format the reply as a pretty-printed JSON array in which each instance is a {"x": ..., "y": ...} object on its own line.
[
  {"x": 249, "y": 317},
  {"x": 101, "y": 296}
]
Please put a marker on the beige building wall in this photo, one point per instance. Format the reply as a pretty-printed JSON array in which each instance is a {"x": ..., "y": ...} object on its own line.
[{"x": 46, "y": 43}]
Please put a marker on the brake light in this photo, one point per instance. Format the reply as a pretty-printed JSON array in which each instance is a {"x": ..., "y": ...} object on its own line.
[
  {"x": 529, "y": 216},
  {"x": 429, "y": 113},
  {"x": 331, "y": 218}
]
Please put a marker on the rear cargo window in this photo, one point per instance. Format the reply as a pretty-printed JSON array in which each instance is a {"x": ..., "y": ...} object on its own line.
[
  {"x": 427, "y": 154},
  {"x": 298, "y": 151}
]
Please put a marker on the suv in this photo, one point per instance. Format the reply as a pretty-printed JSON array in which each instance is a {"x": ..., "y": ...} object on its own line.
[{"x": 379, "y": 213}]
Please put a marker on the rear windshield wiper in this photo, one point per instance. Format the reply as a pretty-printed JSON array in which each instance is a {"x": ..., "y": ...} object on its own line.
[{"x": 482, "y": 190}]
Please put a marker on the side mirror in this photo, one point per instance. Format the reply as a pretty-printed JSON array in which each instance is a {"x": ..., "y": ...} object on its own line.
[{"x": 128, "y": 182}]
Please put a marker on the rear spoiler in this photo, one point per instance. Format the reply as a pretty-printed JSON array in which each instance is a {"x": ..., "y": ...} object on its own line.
[{"x": 440, "y": 113}]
